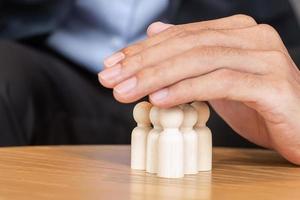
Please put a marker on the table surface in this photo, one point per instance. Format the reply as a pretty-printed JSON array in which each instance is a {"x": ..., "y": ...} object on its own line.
[{"x": 103, "y": 172}]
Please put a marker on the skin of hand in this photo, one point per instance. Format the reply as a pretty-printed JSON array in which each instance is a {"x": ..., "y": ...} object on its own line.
[{"x": 240, "y": 67}]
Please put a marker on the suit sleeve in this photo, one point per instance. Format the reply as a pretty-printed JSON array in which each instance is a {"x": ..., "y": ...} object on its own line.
[{"x": 26, "y": 18}]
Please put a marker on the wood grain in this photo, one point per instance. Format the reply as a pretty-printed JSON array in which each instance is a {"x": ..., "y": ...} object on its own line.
[{"x": 103, "y": 172}]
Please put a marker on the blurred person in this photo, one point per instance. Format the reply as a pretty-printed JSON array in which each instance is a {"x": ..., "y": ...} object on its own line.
[{"x": 52, "y": 51}]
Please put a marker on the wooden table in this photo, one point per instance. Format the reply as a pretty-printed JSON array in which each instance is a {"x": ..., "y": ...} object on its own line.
[{"x": 103, "y": 172}]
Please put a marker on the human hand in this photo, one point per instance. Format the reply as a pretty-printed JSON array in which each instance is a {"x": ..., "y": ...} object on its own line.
[{"x": 241, "y": 68}]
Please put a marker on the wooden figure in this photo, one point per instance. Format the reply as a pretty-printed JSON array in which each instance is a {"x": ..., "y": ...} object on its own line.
[
  {"x": 170, "y": 144},
  {"x": 190, "y": 137},
  {"x": 204, "y": 137},
  {"x": 139, "y": 135},
  {"x": 152, "y": 141}
]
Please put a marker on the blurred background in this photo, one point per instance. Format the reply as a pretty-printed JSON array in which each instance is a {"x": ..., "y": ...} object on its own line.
[{"x": 52, "y": 50}]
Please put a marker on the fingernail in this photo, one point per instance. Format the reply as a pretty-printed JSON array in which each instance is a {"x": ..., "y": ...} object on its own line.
[
  {"x": 158, "y": 27},
  {"x": 110, "y": 73},
  {"x": 114, "y": 59},
  {"x": 126, "y": 86},
  {"x": 159, "y": 95}
]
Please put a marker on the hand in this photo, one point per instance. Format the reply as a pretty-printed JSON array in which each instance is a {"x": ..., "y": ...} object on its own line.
[{"x": 240, "y": 67}]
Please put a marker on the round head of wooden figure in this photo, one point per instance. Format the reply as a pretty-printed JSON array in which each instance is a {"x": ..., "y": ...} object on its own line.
[
  {"x": 154, "y": 116},
  {"x": 203, "y": 113},
  {"x": 190, "y": 116},
  {"x": 141, "y": 113},
  {"x": 171, "y": 117}
]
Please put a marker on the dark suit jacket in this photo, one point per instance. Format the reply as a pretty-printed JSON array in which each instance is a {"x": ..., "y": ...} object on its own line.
[{"x": 21, "y": 19}]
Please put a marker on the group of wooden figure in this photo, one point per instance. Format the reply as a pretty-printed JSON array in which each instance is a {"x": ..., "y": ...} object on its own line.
[{"x": 178, "y": 143}]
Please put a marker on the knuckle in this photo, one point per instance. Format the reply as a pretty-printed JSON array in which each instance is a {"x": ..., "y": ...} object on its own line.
[
  {"x": 148, "y": 72},
  {"x": 277, "y": 62},
  {"x": 270, "y": 36},
  {"x": 189, "y": 85},
  {"x": 149, "y": 76},
  {"x": 128, "y": 50},
  {"x": 250, "y": 81},
  {"x": 266, "y": 28},
  {"x": 226, "y": 82},
  {"x": 133, "y": 63},
  {"x": 226, "y": 75},
  {"x": 280, "y": 67},
  {"x": 138, "y": 59},
  {"x": 157, "y": 72},
  {"x": 279, "y": 88},
  {"x": 230, "y": 79},
  {"x": 125, "y": 63},
  {"x": 131, "y": 50},
  {"x": 141, "y": 74},
  {"x": 278, "y": 56},
  {"x": 268, "y": 31}
]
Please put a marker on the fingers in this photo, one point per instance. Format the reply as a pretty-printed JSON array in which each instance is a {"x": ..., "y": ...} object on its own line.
[
  {"x": 232, "y": 22},
  {"x": 220, "y": 84},
  {"x": 260, "y": 37},
  {"x": 191, "y": 64},
  {"x": 165, "y": 50}
]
